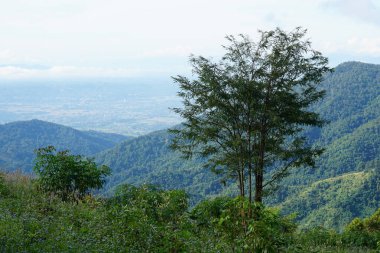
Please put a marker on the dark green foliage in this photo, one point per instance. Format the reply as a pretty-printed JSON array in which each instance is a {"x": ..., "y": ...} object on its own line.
[
  {"x": 148, "y": 159},
  {"x": 152, "y": 220},
  {"x": 244, "y": 114},
  {"x": 138, "y": 219},
  {"x": 68, "y": 176},
  {"x": 346, "y": 180},
  {"x": 364, "y": 232},
  {"x": 148, "y": 219},
  {"x": 19, "y": 139},
  {"x": 164, "y": 206},
  {"x": 361, "y": 235},
  {"x": 351, "y": 160},
  {"x": 223, "y": 223},
  {"x": 351, "y": 142},
  {"x": 3, "y": 188}
]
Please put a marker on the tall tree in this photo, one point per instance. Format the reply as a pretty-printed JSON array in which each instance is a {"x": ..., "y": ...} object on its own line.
[{"x": 246, "y": 113}]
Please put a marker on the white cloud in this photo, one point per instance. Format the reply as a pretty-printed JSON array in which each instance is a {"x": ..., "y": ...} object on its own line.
[
  {"x": 15, "y": 72},
  {"x": 178, "y": 51},
  {"x": 8, "y": 56},
  {"x": 363, "y": 10},
  {"x": 125, "y": 37},
  {"x": 370, "y": 46},
  {"x": 366, "y": 46}
]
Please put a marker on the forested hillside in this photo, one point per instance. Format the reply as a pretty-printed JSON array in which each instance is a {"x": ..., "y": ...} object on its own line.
[
  {"x": 18, "y": 140},
  {"x": 345, "y": 183},
  {"x": 148, "y": 159}
]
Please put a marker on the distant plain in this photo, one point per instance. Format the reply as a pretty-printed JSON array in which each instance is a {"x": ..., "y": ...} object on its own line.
[{"x": 125, "y": 106}]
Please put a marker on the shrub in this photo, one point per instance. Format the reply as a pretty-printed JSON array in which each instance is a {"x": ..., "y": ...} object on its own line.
[{"x": 68, "y": 176}]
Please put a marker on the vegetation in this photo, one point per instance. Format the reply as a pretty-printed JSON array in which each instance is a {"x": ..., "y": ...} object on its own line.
[
  {"x": 334, "y": 202},
  {"x": 68, "y": 176},
  {"x": 350, "y": 163},
  {"x": 344, "y": 185},
  {"x": 319, "y": 196},
  {"x": 19, "y": 139},
  {"x": 149, "y": 160},
  {"x": 148, "y": 219},
  {"x": 245, "y": 114}
]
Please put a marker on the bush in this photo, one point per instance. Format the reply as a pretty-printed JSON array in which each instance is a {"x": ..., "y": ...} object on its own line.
[
  {"x": 364, "y": 232},
  {"x": 68, "y": 176},
  {"x": 227, "y": 220},
  {"x": 149, "y": 219},
  {"x": 3, "y": 188}
]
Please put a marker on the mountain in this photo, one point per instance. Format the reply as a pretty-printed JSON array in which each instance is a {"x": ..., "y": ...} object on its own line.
[
  {"x": 333, "y": 202},
  {"x": 19, "y": 139},
  {"x": 148, "y": 159},
  {"x": 345, "y": 182}
]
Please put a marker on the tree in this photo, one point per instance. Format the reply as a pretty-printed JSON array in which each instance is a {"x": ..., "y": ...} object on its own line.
[
  {"x": 68, "y": 176},
  {"x": 246, "y": 114}
]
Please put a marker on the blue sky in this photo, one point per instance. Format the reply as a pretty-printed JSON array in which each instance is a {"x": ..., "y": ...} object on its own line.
[{"x": 123, "y": 38}]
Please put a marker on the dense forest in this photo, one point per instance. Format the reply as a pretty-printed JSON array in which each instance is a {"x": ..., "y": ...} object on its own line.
[
  {"x": 154, "y": 195},
  {"x": 149, "y": 219},
  {"x": 351, "y": 157},
  {"x": 18, "y": 140}
]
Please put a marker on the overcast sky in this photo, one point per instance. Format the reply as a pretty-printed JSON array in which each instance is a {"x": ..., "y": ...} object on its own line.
[{"x": 92, "y": 38}]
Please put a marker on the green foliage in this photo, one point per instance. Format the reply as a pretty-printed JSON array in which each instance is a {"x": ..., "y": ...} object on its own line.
[
  {"x": 364, "y": 232},
  {"x": 153, "y": 219},
  {"x": 333, "y": 202},
  {"x": 350, "y": 160},
  {"x": 225, "y": 220},
  {"x": 244, "y": 115},
  {"x": 149, "y": 219},
  {"x": 19, "y": 139},
  {"x": 163, "y": 205},
  {"x": 344, "y": 184},
  {"x": 149, "y": 160},
  {"x": 138, "y": 219},
  {"x": 4, "y": 191},
  {"x": 68, "y": 176}
]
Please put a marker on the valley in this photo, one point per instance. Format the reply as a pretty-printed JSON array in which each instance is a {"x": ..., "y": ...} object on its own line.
[{"x": 124, "y": 106}]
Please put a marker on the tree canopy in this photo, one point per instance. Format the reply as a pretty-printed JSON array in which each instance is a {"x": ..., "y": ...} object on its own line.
[
  {"x": 68, "y": 176},
  {"x": 246, "y": 113}
]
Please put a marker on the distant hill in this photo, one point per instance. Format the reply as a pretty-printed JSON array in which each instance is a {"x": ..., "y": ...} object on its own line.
[
  {"x": 19, "y": 139},
  {"x": 148, "y": 159},
  {"x": 344, "y": 184}
]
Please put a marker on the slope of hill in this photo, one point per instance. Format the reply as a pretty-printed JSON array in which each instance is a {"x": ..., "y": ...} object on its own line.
[
  {"x": 19, "y": 139},
  {"x": 148, "y": 159},
  {"x": 351, "y": 139},
  {"x": 352, "y": 143}
]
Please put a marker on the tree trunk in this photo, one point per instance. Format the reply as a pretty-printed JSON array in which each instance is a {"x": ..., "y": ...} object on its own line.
[
  {"x": 250, "y": 189},
  {"x": 259, "y": 187},
  {"x": 259, "y": 175}
]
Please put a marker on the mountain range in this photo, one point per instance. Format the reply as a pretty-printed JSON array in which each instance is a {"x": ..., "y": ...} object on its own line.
[
  {"x": 18, "y": 140},
  {"x": 345, "y": 183}
]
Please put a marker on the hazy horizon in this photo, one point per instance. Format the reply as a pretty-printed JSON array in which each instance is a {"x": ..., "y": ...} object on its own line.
[
  {"x": 114, "y": 106},
  {"x": 97, "y": 39},
  {"x": 106, "y": 66}
]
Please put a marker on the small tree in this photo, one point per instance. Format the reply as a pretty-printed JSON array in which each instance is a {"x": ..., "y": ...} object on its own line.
[
  {"x": 246, "y": 113},
  {"x": 68, "y": 176}
]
